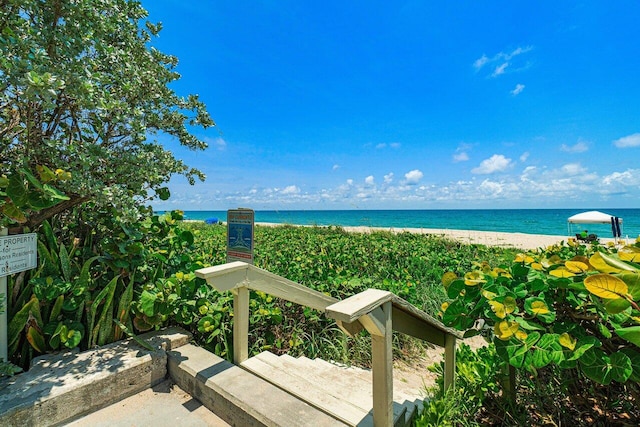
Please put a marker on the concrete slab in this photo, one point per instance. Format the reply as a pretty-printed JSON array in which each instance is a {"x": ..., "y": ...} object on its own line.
[
  {"x": 62, "y": 387},
  {"x": 165, "y": 405}
]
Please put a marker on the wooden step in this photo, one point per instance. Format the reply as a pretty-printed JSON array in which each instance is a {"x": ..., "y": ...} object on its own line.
[
  {"x": 236, "y": 395},
  {"x": 344, "y": 392}
]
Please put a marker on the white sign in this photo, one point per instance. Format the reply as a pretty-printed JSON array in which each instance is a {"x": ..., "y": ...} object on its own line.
[{"x": 18, "y": 253}]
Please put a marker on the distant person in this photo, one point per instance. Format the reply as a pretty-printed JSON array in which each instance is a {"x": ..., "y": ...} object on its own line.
[{"x": 584, "y": 234}]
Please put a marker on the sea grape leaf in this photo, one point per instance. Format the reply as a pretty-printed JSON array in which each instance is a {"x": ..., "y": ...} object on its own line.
[
  {"x": 633, "y": 282},
  {"x": 631, "y": 334},
  {"x": 615, "y": 306},
  {"x": 596, "y": 365},
  {"x": 457, "y": 315},
  {"x": 634, "y": 357},
  {"x": 610, "y": 261},
  {"x": 505, "y": 329},
  {"x": 561, "y": 272},
  {"x": 621, "y": 367},
  {"x": 567, "y": 341},
  {"x": 576, "y": 266},
  {"x": 629, "y": 253},
  {"x": 606, "y": 286},
  {"x": 528, "y": 325},
  {"x": 546, "y": 350}
]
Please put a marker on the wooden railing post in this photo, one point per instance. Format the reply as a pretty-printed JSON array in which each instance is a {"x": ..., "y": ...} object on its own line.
[
  {"x": 240, "y": 324},
  {"x": 449, "y": 361},
  {"x": 382, "y": 370}
]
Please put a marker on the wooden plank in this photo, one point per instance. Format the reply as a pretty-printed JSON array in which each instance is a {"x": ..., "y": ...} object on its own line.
[
  {"x": 354, "y": 307},
  {"x": 382, "y": 368},
  {"x": 272, "y": 284},
  {"x": 375, "y": 322},
  {"x": 413, "y": 311},
  {"x": 269, "y": 369},
  {"x": 405, "y": 323},
  {"x": 240, "y": 325},
  {"x": 224, "y": 277},
  {"x": 351, "y": 329},
  {"x": 449, "y": 362}
]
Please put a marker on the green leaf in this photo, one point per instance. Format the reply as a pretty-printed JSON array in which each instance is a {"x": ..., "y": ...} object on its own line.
[
  {"x": 35, "y": 338},
  {"x": 163, "y": 193},
  {"x": 596, "y": 365},
  {"x": 11, "y": 211},
  {"x": 631, "y": 334},
  {"x": 137, "y": 339},
  {"x": 17, "y": 191},
  {"x": 634, "y": 357},
  {"x": 19, "y": 320},
  {"x": 615, "y": 306},
  {"x": 457, "y": 315},
  {"x": 621, "y": 368},
  {"x": 147, "y": 303},
  {"x": 546, "y": 350}
]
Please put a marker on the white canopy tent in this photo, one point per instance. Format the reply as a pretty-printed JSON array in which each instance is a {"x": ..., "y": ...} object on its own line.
[{"x": 592, "y": 217}]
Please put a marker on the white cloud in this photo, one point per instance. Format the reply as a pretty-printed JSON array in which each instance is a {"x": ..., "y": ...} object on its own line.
[
  {"x": 460, "y": 157},
  {"x": 412, "y": 177},
  {"x": 524, "y": 156},
  {"x": 495, "y": 163},
  {"x": 572, "y": 169},
  {"x": 369, "y": 180},
  {"x": 395, "y": 145},
  {"x": 499, "y": 70},
  {"x": 219, "y": 143},
  {"x": 461, "y": 153},
  {"x": 518, "y": 89},
  {"x": 500, "y": 61},
  {"x": 291, "y": 189},
  {"x": 480, "y": 62},
  {"x": 388, "y": 178},
  {"x": 335, "y": 167},
  {"x": 381, "y": 146},
  {"x": 579, "y": 147},
  {"x": 628, "y": 141}
]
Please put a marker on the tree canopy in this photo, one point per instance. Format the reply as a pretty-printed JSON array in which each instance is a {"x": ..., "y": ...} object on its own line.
[{"x": 84, "y": 90}]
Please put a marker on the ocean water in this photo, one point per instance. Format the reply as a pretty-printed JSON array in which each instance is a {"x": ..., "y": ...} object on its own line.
[{"x": 533, "y": 221}]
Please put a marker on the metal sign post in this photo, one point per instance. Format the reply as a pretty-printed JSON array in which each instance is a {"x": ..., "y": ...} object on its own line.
[
  {"x": 240, "y": 235},
  {"x": 18, "y": 253}
]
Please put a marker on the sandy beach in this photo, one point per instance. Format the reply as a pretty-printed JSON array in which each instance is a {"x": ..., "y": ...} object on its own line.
[{"x": 489, "y": 238}]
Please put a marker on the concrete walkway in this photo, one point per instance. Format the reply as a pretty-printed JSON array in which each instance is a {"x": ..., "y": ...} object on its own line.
[{"x": 164, "y": 405}]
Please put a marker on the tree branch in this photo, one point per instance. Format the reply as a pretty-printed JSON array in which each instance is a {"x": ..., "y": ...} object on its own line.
[{"x": 39, "y": 217}]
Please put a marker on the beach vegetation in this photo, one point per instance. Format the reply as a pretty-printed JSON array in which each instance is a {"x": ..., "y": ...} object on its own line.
[
  {"x": 83, "y": 89},
  {"x": 568, "y": 308}
]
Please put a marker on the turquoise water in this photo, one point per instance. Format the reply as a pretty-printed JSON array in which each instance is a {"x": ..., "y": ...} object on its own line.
[{"x": 533, "y": 221}]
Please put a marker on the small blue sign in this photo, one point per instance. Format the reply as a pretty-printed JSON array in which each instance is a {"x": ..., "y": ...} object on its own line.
[{"x": 240, "y": 224}]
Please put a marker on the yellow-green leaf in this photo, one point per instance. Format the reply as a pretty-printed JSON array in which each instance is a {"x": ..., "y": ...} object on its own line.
[
  {"x": 561, "y": 272},
  {"x": 629, "y": 253},
  {"x": 567, "y": 341},
  {"x": 473, "y": 278},
  {"x": 576, "y": 266},
  {"x": 509, "y": 304},
  {"x": 606, "y": 286},
  {"x": 505, "y": 330},
  {"x": 539, "y": 307},
  {"x": 488, "y": 294},
  {"x": 448, "y": 277},
  {"x": 498, "y": 309}
]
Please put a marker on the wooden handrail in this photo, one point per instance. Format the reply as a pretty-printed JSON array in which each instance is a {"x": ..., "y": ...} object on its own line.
[{"x": 379, "y": 312}]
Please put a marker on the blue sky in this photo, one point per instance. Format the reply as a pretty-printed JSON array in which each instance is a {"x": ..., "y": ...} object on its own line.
[{"x": 408, "y": 104}]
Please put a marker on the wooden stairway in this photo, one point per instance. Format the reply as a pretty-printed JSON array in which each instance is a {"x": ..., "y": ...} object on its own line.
[
  {"x": 342, "y": 392},
  {"x": 270, "y": 390}
]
